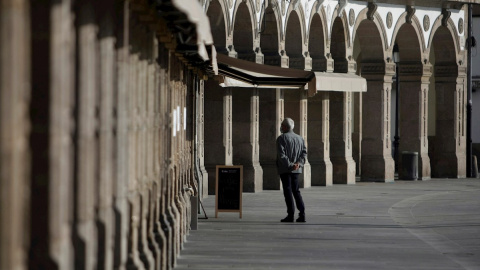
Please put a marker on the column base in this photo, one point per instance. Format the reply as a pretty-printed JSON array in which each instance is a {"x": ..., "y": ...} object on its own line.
[
  {"x": 378, "y": 169},
  {"x": 448, "y": 166},
  {"x": 305, "y": 179},
  {"x": 343, "y": 171},
  {"x": 424, "y": 172},
  {"x": 322, "y": 171},
  {"x": 204, "y": 176},
  {"x": 252, "y": 178},
  {"x": 271, "y": 179}
]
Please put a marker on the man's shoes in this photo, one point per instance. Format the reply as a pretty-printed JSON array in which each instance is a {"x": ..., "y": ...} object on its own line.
[
  {"x": 287, "y": 219},
  {"x": 301, "y": 218}
]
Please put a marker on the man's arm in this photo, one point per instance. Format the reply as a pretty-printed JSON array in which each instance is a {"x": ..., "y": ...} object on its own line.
[
  {"x": 303, "y": 155},
  {"x": 281, "y": 155}
]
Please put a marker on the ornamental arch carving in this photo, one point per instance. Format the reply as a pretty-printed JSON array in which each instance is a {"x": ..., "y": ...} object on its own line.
[
  {"x": 301, "y": 17},
  {"x": 453, "y": 35},
  {"x": 378, "y": 24},
  {"x": 416, "y": 35}
]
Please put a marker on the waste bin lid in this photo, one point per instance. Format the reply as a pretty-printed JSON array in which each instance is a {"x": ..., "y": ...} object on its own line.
[{"x": 409, "y": 153}]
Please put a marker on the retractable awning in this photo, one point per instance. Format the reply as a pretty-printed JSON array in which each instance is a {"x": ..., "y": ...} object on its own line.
[
  {"x": 241, "y": 73},
  {"x": 343, "y": 82}
]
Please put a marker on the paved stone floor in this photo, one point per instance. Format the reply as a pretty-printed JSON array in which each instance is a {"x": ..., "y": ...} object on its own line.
[{"x": 402, "y": 225}]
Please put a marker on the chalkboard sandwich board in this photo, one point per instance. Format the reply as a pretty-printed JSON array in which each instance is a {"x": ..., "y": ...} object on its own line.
[{"x": 228, "y": 189}]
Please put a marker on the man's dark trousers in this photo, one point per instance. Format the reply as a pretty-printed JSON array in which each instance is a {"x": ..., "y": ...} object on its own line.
[{"x": 290, "y": 191}]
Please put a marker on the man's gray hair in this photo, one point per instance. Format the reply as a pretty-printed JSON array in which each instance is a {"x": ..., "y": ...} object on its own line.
[{"x": 288, "y": 122}]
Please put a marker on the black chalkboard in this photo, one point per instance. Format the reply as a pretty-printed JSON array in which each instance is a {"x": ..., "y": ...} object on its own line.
[{"x": 228, "y": 189}]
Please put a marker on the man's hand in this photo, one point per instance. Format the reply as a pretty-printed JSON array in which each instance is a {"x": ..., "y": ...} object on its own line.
[{"x": 296, "y": 166}]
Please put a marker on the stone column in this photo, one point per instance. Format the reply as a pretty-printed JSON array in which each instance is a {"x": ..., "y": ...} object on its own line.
[
  {"x": 296, "y": 108},
  {"x": 15, "y": 83},
  {"x": 413, "y": 114},
  {"x": 341, "y": 140},
  {"x": 448, "y": 158},
  {"x": 357, "y": 131},
  {"x": 134, "y": 181},
  {"x": 121, "y": 211},
  {"x": 319, "y": 139},
  {"x": 341, "y": 131},
  {"x": 87, "y": 141},
  {"x": 377, "y": 161},
  {"x": 245, "y": 142},
  {"x": 143, "y": 188},
  {"x": 165, "y": 134},
  {"x": 201, "y": 139},
  {"x": 271, "y": 115},
  {"x": 105, "y": 225},
  {"x": 218, "y": 129},
  {"x": 52, "y": 123},
  {"x": 305, "y": 178}
]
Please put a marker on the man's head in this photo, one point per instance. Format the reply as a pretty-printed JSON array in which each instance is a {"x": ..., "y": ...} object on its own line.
[{"x": 287, "y": 125}]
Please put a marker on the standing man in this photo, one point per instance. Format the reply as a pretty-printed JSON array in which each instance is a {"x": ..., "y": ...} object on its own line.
[{"x": 291, "y": 154}]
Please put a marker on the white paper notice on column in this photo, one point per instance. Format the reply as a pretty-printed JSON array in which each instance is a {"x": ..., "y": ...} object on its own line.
[
  {"x": 184, "y": 118},
  {"x": 178, "y": 122},
  {"x": 174, "y": 123}
]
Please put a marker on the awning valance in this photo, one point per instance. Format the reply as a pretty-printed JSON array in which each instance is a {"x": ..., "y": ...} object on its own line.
[
  {"x": 343, "y": 82},
  {"x": 241, "y": 73}
]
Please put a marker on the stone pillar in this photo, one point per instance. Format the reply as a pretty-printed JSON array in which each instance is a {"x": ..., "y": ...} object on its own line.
[
  {"x": 158, "y": 239},
  {"x": 146, "y": 38},
  {"x": 296, "y": 108},
  {"x": 271, "y": 115},
  {"x": 105, "y": 225},
  {"x": 201, "y": 139},
  {"x": 52, "y": 123},
  {"x": 448, "y": 158},
  {"x": 134, "y": 181},
  {"x": 15, "y": 83},
  {"x": 121, "y": 211},
  {"x": 377, "y": 161},
  {"x": 341, "y": 140},
  {"x": 319, "y": 139},
  {"x": 305, "y": 178},
  {"x": 245, "y": 141},
  {"x": 357, "y": 131},
  {"x": 87, "y": 141},
  {"x": 218, "y": 129},
  {"x": 165, "y": 135},
  {"x": 413, "y": 114}
]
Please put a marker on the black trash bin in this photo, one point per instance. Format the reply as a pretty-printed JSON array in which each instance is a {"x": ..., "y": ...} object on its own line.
[{"x": 409, "y": 169}]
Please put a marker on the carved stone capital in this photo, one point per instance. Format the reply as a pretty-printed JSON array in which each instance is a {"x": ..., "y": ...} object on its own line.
[
  {"x": 372, "y": 8},
  {"x": 446, "y": 15},
  {"x": 410, "y": 12}
]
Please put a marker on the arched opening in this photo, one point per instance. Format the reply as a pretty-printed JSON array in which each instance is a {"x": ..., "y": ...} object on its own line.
[
  {"x": 242, "y": 34},
  {"x": 316, "y": 44},
  {"x": 446, "y": 139},
  {"x": 217, "y": 25},
  {"x": 410, "y": 132},
  {"x": 338, "y": 46},
  {"x": 269, "y": 42},
  {"x": 269, "y": 38},
  {"x": 376, "y": 163},
  {"x": 293, "y": 42}
]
